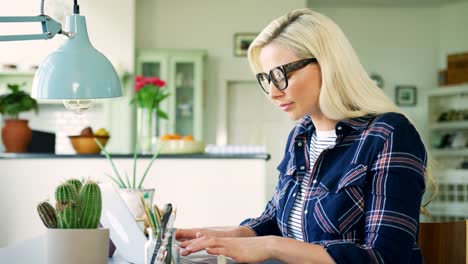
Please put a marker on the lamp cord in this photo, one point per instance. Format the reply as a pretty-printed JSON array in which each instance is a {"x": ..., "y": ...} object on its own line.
[
  {"x": 42, "y": 7},
  {"x": 76, "y": 7}
]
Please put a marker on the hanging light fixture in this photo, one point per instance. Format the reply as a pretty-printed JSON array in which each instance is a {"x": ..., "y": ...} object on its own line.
[{"x": 76, "y": 73}]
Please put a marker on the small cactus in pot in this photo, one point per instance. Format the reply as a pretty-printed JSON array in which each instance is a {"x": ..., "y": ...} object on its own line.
[{"x": 77, "y": 206}]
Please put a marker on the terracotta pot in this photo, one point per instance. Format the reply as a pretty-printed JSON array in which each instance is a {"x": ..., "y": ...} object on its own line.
[{"x": 16, "y": 135}]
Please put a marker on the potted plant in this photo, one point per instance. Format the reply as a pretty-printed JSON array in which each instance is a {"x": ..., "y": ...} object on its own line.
[
  {"x": 132, "y": 189},
  {"x": 16, "y": 134},
  {"x": 73, "y": 235}
]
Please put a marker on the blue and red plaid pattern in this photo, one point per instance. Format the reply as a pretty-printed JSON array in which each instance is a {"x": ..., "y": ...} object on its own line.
[{"x": 363, "y": 197}]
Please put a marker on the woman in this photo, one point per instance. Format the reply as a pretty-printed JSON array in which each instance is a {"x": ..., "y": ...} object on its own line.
[{"x": 353, "y": 174}]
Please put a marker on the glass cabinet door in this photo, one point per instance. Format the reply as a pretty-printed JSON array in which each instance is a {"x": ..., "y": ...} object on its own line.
[
  {"x": 151, "y": 69},
  {"x": 183, "y": 73},
  {"x": 186, "y": 114},
  {"x": 184, "y": 98}
]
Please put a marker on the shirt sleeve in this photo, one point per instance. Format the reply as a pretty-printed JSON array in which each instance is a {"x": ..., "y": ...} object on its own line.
[
  {"x": 266, "y": 223},
  {"x": 393, "y": 196}
]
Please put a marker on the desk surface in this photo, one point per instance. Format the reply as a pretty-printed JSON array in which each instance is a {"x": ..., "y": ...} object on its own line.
[{"x": 33, "y": 252}]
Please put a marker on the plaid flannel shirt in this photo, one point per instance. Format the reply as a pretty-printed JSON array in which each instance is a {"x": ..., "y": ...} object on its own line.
[{"x": 364, "y": 194}]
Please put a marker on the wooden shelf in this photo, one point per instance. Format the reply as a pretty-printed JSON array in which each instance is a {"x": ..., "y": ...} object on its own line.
[
  {"x": 451, "y": 175},
  {"x": 448, "y": 208},
  {"x": 18, "y": 73},
  {"x": 449, "y": 90},
  {"x": 450, "y": 125},
  {"x": 450, "y": 152}
]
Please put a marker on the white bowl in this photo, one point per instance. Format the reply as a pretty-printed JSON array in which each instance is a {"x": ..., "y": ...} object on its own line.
[{"x": 179, "y": 146}]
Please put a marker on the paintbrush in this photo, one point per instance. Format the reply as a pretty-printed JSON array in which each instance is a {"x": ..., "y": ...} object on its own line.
[
  {"x": 166, "y": 215},
  {"x": 148, "y": 214}
]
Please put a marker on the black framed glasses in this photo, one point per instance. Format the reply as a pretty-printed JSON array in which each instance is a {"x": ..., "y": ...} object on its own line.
[{"x": 278, "y": 75}]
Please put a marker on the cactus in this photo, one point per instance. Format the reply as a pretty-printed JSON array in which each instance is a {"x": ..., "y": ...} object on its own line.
[
  {"x": 47, "y": 214},
  {"x": 73, "y": 209},
  {"x": 91, "y": 206},
  {"x": 76, "y": 183},
  {"x": 67, "y": 206}
]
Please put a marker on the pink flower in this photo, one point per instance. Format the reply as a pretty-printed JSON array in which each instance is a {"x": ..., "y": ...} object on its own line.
[
  {"x": 138, "y": 85},
  {"x": 158, "y": 82},
  {"x": 139, "y": 78}
]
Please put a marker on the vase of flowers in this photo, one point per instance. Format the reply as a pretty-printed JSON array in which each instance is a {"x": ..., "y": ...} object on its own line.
[{"x": 149, "y": 92}]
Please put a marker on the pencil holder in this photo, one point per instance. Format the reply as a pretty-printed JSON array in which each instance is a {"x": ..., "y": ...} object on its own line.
[{"x": 167, "y": 248}]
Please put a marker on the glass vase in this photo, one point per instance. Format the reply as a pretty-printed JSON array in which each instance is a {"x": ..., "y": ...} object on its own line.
[{"x": 147, "y": 135}]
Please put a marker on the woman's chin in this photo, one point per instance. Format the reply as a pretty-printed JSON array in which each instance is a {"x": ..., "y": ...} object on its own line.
[{"x": 294, "y": 116}]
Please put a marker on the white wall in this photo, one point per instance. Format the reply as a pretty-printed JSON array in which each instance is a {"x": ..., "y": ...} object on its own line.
[
  {"x": 111, "y": 28},
  {"x": 209, "y": 25},
  {"x": 400, "y": 44},
  {"x": 453, "y": 31}
]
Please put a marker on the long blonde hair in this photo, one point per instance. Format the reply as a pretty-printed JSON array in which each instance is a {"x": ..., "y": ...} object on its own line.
[{"x": 347, "y": 90}]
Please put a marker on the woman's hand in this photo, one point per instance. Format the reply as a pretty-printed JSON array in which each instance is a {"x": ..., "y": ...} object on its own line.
[
  {"x": 241, "y": 249},
  {"x": 189, "y": 234}
]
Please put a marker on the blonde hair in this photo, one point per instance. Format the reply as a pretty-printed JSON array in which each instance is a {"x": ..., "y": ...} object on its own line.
[{"x": 347, "y": 90}]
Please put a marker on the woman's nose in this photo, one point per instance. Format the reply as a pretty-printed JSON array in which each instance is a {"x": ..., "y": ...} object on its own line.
[{"x": 274, "y": 92}]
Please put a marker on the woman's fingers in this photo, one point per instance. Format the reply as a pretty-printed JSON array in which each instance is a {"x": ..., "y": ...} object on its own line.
[
  {"x": 204, "y": 243},
  {"x": 186, "y": 234}
]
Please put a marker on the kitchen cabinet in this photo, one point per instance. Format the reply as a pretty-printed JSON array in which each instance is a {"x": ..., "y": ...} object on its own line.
[
  {"x": 183, "y": 71},
  {"x": 448, "y": 125}
]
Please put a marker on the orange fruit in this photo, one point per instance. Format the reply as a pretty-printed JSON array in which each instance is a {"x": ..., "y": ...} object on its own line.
[
  {"x": 176, "y": 136},
  {"x": 188, "y": 138},
  {"x": 166, "y": 137}
]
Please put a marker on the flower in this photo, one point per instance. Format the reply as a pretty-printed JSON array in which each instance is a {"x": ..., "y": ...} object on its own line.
[{"x": 149, "y": 93}]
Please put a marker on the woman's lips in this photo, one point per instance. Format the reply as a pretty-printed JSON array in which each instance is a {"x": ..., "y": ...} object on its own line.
[{"x": 286, "y": 107}]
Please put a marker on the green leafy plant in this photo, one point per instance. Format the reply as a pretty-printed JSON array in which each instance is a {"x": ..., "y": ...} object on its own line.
[
  {"x": 77, "y": 206},
  {"x": 119, "y": 180},
  {"x": 17, "y": 101}
]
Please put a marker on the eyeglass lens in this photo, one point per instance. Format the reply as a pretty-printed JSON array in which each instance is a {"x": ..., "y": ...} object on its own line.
[{"x": 277, "y": 77}]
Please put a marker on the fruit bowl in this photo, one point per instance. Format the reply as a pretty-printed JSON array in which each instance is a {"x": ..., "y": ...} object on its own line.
[{"x": 86, "y": 145}]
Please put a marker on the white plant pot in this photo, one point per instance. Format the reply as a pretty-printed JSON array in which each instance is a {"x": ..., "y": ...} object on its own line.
[
  {"x": 132, "y": 199},
  {"x": 77, "y": 246}
]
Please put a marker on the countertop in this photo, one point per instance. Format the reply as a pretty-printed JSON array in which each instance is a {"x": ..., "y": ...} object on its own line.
[{"x": 264, "y": 156}]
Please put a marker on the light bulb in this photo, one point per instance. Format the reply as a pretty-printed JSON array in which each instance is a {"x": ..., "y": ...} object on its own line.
[{"x": 78, "y": 106}]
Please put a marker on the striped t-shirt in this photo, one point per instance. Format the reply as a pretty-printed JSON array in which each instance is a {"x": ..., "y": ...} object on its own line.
[{"x": 320, "y": 141}]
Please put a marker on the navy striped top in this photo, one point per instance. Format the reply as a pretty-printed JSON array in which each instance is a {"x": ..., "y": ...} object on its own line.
[{"x": 321, "y": 140}]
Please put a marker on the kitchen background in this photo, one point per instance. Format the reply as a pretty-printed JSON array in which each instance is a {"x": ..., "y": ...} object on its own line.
[{"x": 405, "y": 42}]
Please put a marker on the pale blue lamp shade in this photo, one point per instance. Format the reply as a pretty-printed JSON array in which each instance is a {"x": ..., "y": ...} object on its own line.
[{"x": 76, "y": 70}]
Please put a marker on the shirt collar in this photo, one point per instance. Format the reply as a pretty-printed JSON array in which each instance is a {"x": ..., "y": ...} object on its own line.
[
  {"x": 305, "y": 124},
  {"x": 357, "y": 123}
]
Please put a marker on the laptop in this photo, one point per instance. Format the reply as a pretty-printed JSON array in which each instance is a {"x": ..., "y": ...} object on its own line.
[{"x": 124, "y": 230}]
